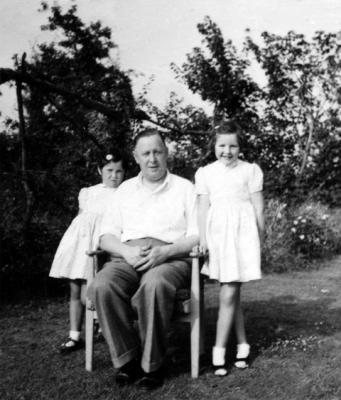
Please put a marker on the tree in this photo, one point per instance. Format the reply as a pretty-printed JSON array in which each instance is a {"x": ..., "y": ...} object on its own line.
[
  {"x": 220, "y": 75},
  {"x": 291, "y": 122},
  {"x": 303, "y": 92},
  {"x": 63, "y": 136}
]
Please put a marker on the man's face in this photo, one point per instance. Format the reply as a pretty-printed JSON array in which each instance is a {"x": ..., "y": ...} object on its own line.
[{"x": 151, "y": 155}]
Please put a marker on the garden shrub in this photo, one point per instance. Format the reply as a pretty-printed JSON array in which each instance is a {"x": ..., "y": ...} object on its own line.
[{"x": 298, "y": 235}]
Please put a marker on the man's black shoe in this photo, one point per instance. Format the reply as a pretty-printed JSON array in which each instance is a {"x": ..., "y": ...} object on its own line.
[
  {"x": 129, "y": 373},
  {"x": 152, "y": 380}
]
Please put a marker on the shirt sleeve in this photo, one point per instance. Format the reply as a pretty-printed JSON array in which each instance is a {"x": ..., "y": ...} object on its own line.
[
  {"x": 191, "y": 212},
  {"x": 255, "y": 179},
  {"x": 112, "y": 219},
  {"x": 82, "y": 198},
  {"x": 200, "y": 182}
]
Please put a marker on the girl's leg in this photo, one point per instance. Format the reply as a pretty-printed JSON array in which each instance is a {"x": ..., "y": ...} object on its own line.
[
  {"x": 76, "y": 311},
  {"x": 239, "y": 323},
  {"x": 76, "y": 305},
  {"x": 243, "y": 348},
  {"x": 228, "y": 299}
]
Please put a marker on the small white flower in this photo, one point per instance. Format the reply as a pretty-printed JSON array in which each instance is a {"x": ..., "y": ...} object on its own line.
[
  {"x": 304, "y": 221},
  {"x": 293, "y": 230},
  {"x": 325, "y": 216},
  {"x": 279, "y": 215},
  {"x": 301, "y": 237},
  {"x": 295, "y": 222}
]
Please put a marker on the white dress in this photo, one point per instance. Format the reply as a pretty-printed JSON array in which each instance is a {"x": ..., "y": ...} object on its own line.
[
  {"x": 231, "y": 231},
  {"x": 70, "y": 260}
]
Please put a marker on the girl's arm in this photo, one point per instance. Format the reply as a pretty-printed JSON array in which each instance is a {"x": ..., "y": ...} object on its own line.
[
  {"x": 258, "y": 204},
  {"x": 203, "y": 206}
]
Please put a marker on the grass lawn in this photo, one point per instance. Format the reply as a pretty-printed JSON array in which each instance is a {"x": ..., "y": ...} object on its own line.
[{"x": 293, "y": 323}]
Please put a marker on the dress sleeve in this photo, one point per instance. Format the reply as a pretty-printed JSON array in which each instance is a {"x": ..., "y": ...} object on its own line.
[
  {"x": 82, "y": 199},
  {"x": 255, "y": 180},
  {"x": 200, "y": 182}
]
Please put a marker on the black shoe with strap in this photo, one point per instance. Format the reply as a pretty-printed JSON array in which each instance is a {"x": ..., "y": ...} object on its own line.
[{"x": 69, "y": 345}]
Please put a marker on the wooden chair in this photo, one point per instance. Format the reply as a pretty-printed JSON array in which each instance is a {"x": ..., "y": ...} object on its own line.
[{"x": 191, "y": 305}]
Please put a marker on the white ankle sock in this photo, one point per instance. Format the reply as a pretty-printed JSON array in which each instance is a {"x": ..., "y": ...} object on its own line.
[
  {"x": 243, "y": 350},
  {"x": 74, "y": 335},
  {"x": 218, "y": 355}
]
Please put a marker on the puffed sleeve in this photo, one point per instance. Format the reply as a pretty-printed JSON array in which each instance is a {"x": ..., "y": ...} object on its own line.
[
  {"x": 82, "y": 198},
  {"x": 200, "y": 182},
  {"x": 255, "y": 179}
]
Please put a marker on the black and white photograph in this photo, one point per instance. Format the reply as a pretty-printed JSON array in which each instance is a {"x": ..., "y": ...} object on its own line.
[{"x": 170, "y": 199}]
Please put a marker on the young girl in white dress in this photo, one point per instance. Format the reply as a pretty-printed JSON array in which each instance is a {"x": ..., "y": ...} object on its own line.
[
  {"x": 231, "y": 225},
  {"x": 71, "y": 261}
]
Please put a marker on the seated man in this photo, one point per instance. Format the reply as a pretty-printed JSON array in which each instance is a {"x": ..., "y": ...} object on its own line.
[{"x": 149, "y": 231}]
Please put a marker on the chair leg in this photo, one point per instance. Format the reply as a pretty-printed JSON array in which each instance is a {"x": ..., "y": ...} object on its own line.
[
  {"x": 89, "y": 338},
  {"x": 195, "y": 343},
  {"x": 202, "y": 328}
]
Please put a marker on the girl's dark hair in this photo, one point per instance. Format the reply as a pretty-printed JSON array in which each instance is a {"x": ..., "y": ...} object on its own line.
[
  {"x": 112, "y": 156},
  {"x": 227, "y": 127}
]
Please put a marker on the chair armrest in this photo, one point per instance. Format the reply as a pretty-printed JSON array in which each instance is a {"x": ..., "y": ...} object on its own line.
[
  {"x": 196, "y": 253},
  {"x": 95, "y": 253},
  {"x": 95, "y": 264}
]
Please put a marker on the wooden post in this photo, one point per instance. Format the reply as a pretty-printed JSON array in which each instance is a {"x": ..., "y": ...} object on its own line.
[{"x": 22, "y": 135}]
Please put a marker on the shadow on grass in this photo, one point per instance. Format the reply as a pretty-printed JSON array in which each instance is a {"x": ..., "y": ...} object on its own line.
[
  {"x": 282, "y": 320},
  {"x": 31, "y": 367}
]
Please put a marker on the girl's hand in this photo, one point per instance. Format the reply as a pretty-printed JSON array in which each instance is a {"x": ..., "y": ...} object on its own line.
[{"x": 203, "y": 248}]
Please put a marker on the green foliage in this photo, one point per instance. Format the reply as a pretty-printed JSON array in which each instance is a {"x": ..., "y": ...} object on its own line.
[
  {"x": 314, "y": 231},
  {"x": 219, "y": 75},
  {"x": 298, "y": 235},
  {"x": 291, "y": 125},
  {"x": 302, "y": 95},
  {"x": 63, "y": 141}
]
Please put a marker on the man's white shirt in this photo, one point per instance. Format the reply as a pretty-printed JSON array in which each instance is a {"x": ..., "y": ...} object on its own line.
[{"x": 167, "y": 213}]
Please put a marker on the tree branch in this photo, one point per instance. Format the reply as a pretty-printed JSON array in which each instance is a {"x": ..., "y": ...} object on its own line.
[{"x": 7, "y": 74}]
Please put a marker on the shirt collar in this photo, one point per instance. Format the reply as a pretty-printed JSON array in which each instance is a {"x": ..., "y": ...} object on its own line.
[{"x": 163, "y": 185}]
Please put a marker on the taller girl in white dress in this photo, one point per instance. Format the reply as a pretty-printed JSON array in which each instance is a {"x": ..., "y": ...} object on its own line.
[
  {"x": 71, "y": 261},
  {"x": 231, "y": 226}
]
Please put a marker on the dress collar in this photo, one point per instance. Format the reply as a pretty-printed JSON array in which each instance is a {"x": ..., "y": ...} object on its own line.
[{"x": 228, "y": 167}]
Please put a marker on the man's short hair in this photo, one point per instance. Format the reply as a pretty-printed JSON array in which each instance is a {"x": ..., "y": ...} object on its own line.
[{"x": 147, "y": 133}]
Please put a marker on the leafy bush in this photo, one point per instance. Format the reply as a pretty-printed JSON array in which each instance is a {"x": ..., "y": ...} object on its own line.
[
  {"x": 314, "y": 233},
  {"x": 298, "y": 235}
]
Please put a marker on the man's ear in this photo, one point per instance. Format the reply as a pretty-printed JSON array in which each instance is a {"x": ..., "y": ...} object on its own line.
[{"x": 135, "y": 157}]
